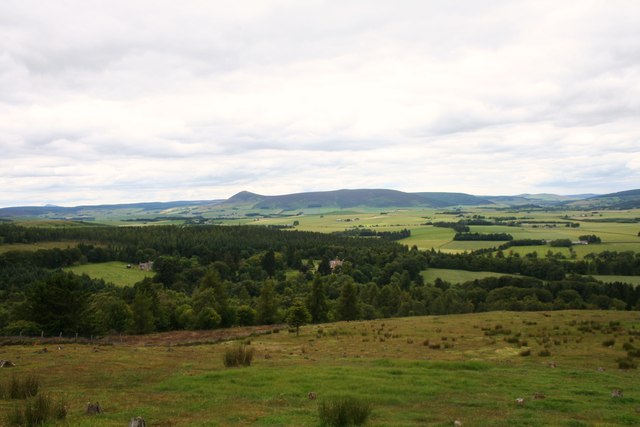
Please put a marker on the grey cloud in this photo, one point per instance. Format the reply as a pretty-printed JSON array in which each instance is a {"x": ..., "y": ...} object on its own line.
[{"x": 138, "y": 99}]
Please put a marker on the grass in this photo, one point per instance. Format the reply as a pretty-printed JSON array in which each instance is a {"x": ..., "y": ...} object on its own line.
[
  {"x": 456, "y": 276},
  {"x": 35, "y": 246},
  {"x": 238, "y": 356},
  {"x": 475, "y": 380},
  {"x": 112, "y": 272},
  {"x": 39, "y": 410},
  {"x": 344, "y": 411},
  {"x": 615, "y": 236},
  {"x": 634, "y": 280}
]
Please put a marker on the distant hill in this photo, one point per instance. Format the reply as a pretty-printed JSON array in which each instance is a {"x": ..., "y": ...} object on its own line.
[
  {"x": 344, "y": 199},
  {"x": 542, "y": 199},
  {"x": 246, "y": 204},
  {"x": 90, "y": 212},
  {"x": 629, "y": 199}
]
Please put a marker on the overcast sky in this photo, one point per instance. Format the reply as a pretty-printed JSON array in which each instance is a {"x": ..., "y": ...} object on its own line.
[{"x": 120, "y": 101}]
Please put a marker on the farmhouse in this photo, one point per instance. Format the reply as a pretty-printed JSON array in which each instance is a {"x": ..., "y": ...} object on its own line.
[
  {"x": 334, "y": 263},
  {"x": 146, "y": 266}
]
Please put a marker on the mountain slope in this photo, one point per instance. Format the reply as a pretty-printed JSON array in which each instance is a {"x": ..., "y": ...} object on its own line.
[
  {"x": 629, "y": 199},
  {"x": 341, "y": 199},
  {"x": 90, "y": 212}
]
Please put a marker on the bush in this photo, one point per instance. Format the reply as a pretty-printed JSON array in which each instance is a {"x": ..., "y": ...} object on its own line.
[
  {"x": 526, "y": 352},
  {"x": 544, "y": 353},
  {"x": 238, "y": 356},
  {"x": 608, "y": 342},
  {"x": 17, "y": 388},
  {"x": 627, "y": 363},
  {"x": 37, "y": 411},
  {"x": 634, "y": 352},
  {"x": 344, "y": 411}
]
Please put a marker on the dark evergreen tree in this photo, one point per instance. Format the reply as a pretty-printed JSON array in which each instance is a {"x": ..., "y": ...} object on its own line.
[
  {"x": 57, "y": 304},
  {"x": 298, "y": 315},
  {"x": 267, "y": 310},
  {"x": 348, "y": 302},
  {"x": 317, "y": 301},
  {"x": 269, "y": 263}
]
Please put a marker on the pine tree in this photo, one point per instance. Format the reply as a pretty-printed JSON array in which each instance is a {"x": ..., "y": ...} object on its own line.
[
  {"x": 317, "y": 301},
  {"x": 297, "y": 316},
  {"x": 348, "y": 302},
  {"x": 267, "y": 304}
]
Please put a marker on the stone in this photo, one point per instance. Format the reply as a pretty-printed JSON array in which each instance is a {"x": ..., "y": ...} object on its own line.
[
  {"x": 93, "y": 409},
  {"x": 137, "y": 422}
]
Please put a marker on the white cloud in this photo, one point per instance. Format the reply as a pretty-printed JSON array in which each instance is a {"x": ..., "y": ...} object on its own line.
[{"x": 135, "y": 101}]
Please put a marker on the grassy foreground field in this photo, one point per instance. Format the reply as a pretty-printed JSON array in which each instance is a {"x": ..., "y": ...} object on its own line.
[{"x": 414, "y": 371}]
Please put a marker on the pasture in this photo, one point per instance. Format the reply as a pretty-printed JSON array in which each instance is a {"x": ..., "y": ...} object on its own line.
[
  {"x": 456, "y": 276},
  {"x": 35, "y": 246},
  {"x": 414, "y": 371},
  {"x": 615, "y": 235},
  {"x": 112, "y": 272}
]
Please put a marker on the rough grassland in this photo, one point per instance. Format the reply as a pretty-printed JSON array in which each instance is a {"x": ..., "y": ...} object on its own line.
[
  {"x": 112, "y": 272},
  {"x": 474, "y": 376}
]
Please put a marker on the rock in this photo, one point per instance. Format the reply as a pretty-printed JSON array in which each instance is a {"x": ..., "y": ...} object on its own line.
[
  {"x": 617, "y": 393},
  {"x": 457, "y": 423},
  {"x": 520, "y": 401},
  {"x": 93, "y": 409},
  {"x": 601, "y": 369},
  {"x": 137, "y": 422}
]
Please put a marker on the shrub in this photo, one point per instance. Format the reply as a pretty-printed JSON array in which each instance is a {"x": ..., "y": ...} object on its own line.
[
  {"x": 37, "y": 411},
  {"x": 544, "y": 353},
  {"x": 608, "y": 342},
  {"x": 238, "y": 356},
  {"x": 344, "y": 411},
  {"x": 17, "y": 388},
  {"x": 634, "y": 352},
  {"x": 627, "y": 363},
  {"x": 526, "y": 352}
]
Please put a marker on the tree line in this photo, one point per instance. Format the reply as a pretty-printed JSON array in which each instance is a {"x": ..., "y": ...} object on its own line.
[{"x": 212, "y": 276}]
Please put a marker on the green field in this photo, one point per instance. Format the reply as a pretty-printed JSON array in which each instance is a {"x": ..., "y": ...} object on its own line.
[
  {"x": 615, "y": 236},
  {"x": 36, "y": 246},
  {"x": 112, "y": 272},
  {"x": 475, "y": 374},
  {"x": 456, "y": 276},
  {"x": 634, "y": 280}
]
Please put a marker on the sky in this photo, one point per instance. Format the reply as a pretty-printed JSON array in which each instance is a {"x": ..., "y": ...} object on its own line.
[{"x": 131, "y": 101}]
